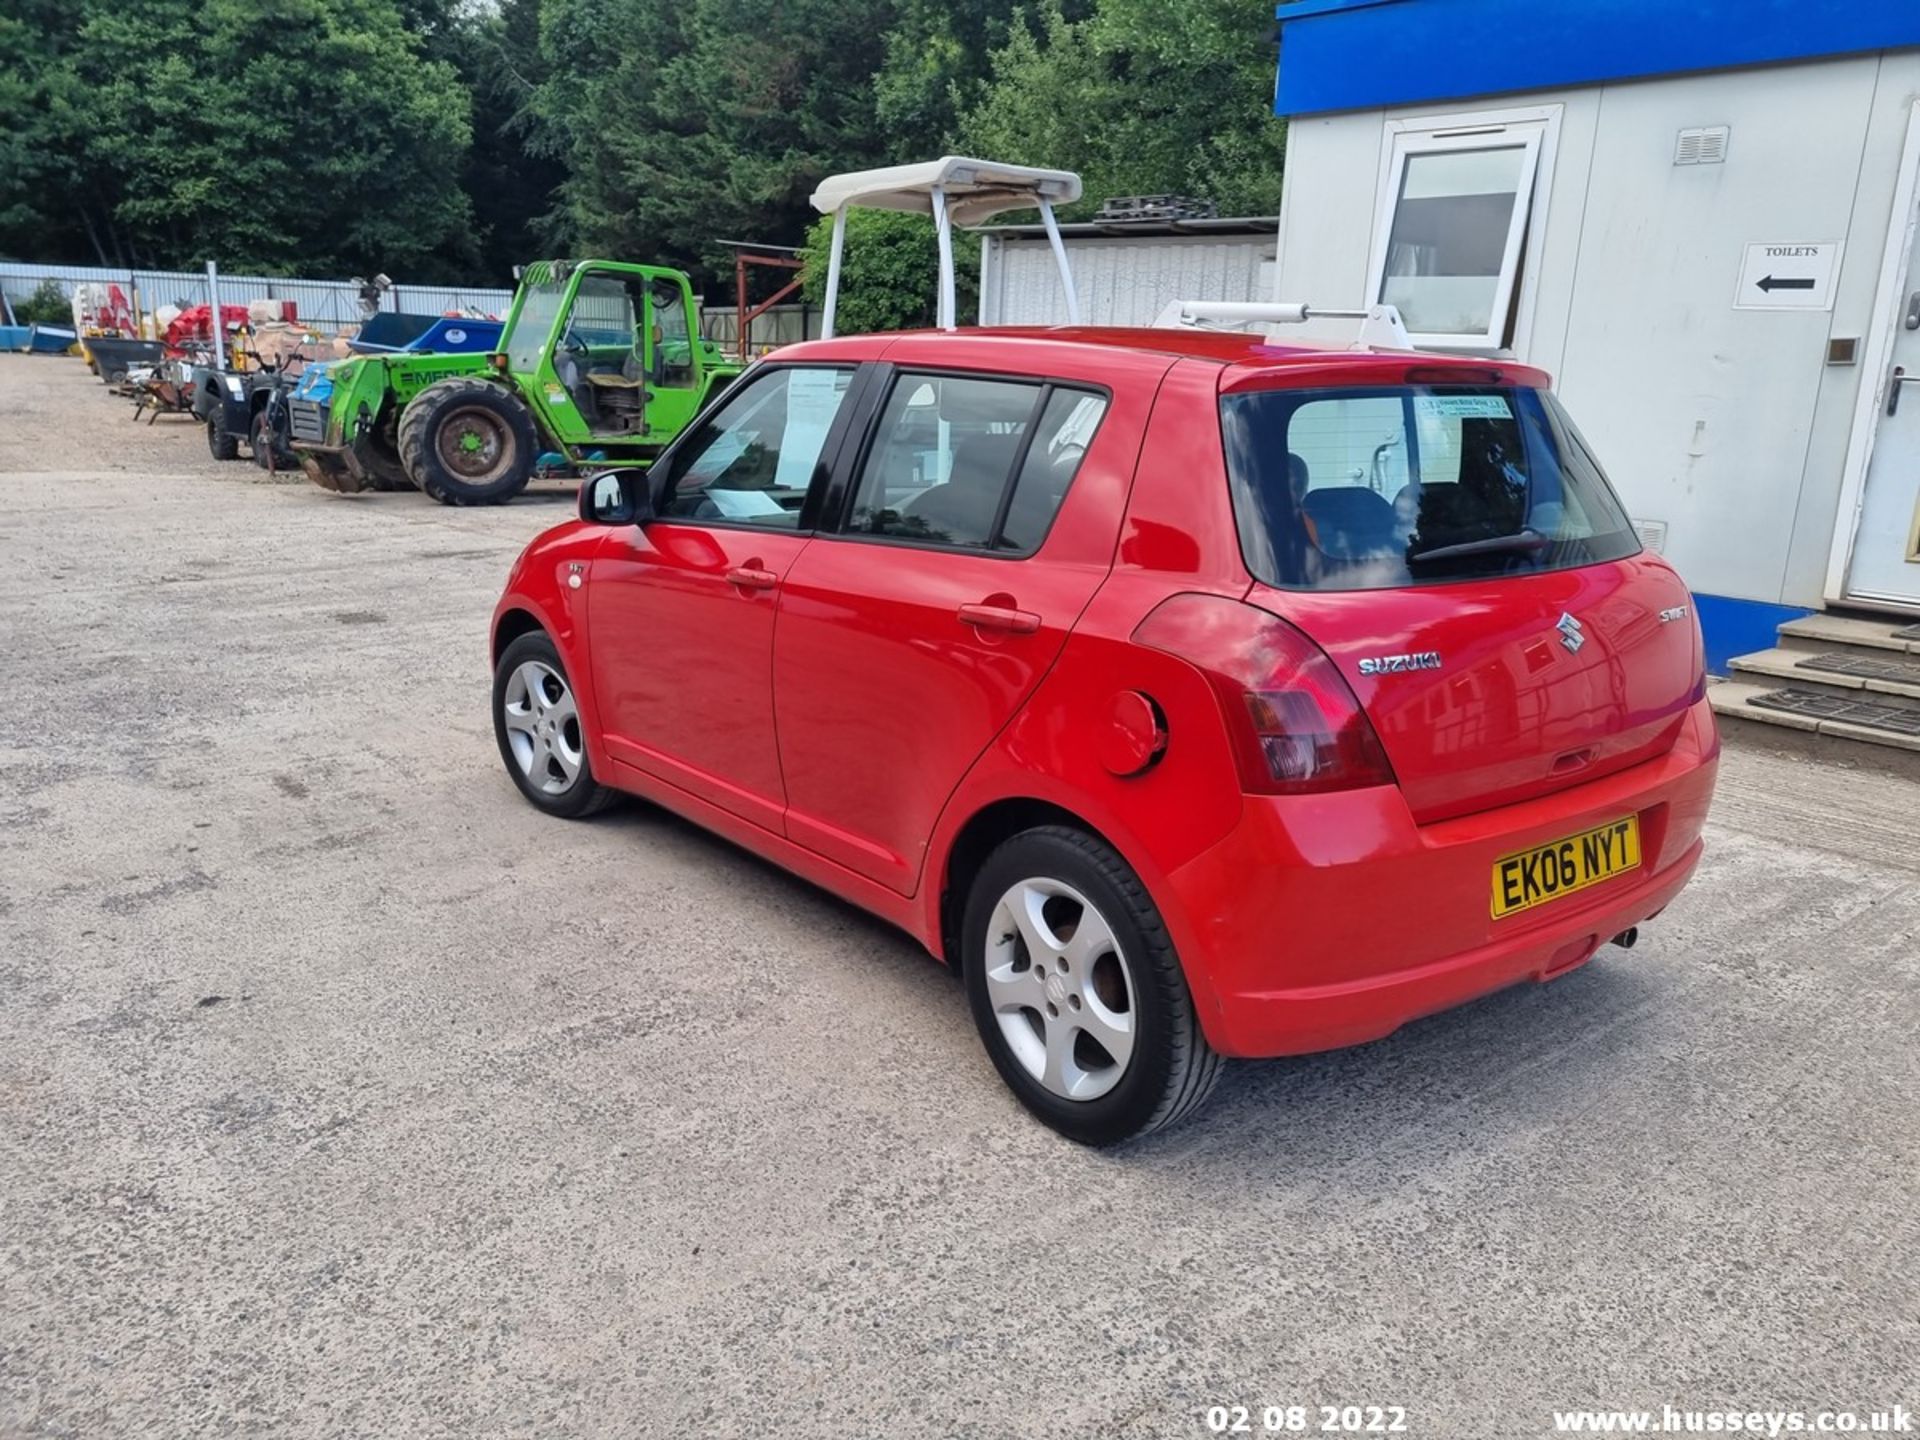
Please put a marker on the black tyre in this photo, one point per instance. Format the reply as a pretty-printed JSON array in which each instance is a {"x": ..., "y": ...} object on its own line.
[
  {"x": 536, "y": 721},
  {"x": 222, "y": 443},
  {"x": 269, "y": 450},
  {"x": 468, "y": 442},
  {"x": 1077, "y": 992},
  {"x": 381, "y": 461}
]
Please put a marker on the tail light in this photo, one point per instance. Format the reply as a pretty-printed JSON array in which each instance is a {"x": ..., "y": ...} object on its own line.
[{"x": 1296, "y": 726}]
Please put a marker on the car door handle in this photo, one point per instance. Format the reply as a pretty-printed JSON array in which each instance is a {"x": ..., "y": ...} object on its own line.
[
  {"x": 999, "y": 617},
  {"x": 752, "y": 577}
]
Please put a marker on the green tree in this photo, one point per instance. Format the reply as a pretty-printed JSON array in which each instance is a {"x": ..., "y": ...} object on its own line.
[
  {"x": 47, "y": 305},
  {"x": 682, "y": 125},
  {"x": 308, "y": 133},
  {"x": 1140, "y": 101},
  {"x": 513, "y": 186},
  {"x": 937, "y": 53},
  {"x": 305, "y": 131},
  {"x": 601, "y": 68},
  {"x": 890, "y": 271},
  {"x": 50, "y": 196},
  {"x": 449, "y": 138}
]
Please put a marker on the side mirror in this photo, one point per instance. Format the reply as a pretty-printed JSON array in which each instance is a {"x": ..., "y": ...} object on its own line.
[{"x": 616, "y": 497}]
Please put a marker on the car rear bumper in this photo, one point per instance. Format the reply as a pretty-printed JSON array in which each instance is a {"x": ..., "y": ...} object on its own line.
[{"x": 1325, "y": 921}]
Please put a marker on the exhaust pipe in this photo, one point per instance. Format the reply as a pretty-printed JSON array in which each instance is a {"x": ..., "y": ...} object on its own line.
[{"x": 1627, "y": 938}]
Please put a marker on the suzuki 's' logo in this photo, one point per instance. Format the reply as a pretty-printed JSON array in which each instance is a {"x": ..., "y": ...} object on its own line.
[{"x": 1571, "y": 635}]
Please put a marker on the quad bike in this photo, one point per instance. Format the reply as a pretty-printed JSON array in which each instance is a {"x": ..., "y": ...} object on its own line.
[{"x": 250, "y": 407}]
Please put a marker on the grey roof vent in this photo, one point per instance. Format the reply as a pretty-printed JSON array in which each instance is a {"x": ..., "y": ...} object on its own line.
[{"x": 1706, "y": 145}]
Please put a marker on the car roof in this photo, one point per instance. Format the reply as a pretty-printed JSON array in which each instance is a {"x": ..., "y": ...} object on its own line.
[{"x": 1247, "y": 359}]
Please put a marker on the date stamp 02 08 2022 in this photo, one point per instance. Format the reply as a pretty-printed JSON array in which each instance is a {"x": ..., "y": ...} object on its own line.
[{"x": 1305, "y": 1419}]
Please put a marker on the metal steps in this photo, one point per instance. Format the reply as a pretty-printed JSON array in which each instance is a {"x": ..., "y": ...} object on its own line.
[
  {"x": 1848, "y": 677},
  {"x": 1845, "y": 632},
  {"x": 1894, "y": 680}
]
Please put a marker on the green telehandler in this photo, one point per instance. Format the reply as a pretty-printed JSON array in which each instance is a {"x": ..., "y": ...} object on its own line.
[{"x": 598, "y": 364}]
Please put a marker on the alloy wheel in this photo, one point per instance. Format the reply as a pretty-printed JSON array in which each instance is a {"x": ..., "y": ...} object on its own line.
[
  {"x": 543, "y": 727},
  {"x": 1060, "y": 988}
]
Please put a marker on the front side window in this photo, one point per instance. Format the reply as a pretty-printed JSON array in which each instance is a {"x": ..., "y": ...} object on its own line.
[
  {"x": 526, "y": 342},
  {"x": 1454, "y": 231},
  {"x": 753, "y": 462},
  {"x": 602, "y": 319},
  {"x": 1414, "y": 485},
  {"x": 974, "y": 464}
]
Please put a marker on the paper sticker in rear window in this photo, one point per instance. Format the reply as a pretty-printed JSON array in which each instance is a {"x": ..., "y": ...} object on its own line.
[{"x": 1487, "y": 407}]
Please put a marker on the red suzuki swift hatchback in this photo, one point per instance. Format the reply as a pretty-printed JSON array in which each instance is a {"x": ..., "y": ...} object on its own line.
[{"x": 1191, "y": 696}]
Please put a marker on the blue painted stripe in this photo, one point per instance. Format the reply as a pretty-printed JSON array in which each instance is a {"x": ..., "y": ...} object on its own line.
[
  {"x": 1739, "y": 627},
  {"x": 1355, "y": 54}
]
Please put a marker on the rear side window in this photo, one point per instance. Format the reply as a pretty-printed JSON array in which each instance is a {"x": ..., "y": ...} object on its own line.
[
  {"x": 975, "y": 464},
  {"x": 1368, "y": 489},
  {"x": 1066, "y": 430}
]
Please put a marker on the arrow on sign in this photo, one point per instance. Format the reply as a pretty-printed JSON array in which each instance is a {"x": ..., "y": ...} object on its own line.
[{"x": 1769, "y": 283}]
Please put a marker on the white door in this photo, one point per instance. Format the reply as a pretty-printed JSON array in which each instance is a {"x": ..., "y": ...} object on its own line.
[{"x": 1886, "y": 546}]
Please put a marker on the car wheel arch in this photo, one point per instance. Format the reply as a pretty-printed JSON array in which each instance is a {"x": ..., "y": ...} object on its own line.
[
  {"x": 523, "y": 614},
  {"x": 511, "y": 625},
  {"x": 977, "y": 838}
]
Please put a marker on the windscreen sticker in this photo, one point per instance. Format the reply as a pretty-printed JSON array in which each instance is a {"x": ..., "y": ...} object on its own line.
[
  {"x": 813, "y": 398},
  {"x": 1463, "y": 407},
  {"x": 743, "y": 504}
]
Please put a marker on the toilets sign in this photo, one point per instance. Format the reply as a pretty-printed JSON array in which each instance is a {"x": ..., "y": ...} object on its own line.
[{"x": 1787, "y": 276}]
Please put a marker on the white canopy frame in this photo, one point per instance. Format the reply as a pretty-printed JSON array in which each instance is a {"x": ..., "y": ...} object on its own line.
[{"x": 954, "y": 189}]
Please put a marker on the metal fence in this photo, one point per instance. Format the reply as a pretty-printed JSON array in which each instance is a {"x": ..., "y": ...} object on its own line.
[
  {"x": 328, "y": 306},
  {"x": 781, "y": 325},
  {"x": 323, "y": 305}
]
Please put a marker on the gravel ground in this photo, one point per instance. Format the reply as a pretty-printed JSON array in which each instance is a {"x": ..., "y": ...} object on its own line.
[
  {"x": 342, "y": 1095},
  {"x": 54, "y": 416}
]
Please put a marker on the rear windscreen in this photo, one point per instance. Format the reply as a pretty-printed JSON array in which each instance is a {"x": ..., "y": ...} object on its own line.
[{"x": 1365, "y": 489}]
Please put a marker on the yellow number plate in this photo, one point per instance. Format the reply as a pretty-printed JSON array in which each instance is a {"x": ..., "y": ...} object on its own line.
[{"x": 1546, "y": 872}]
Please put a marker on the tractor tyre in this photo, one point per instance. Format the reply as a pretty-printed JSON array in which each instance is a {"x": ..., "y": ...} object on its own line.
[
  {"x": 468, "y": 442},
  {"x": 381, "y": 460},
  {"x": 222, "y": 443}
]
